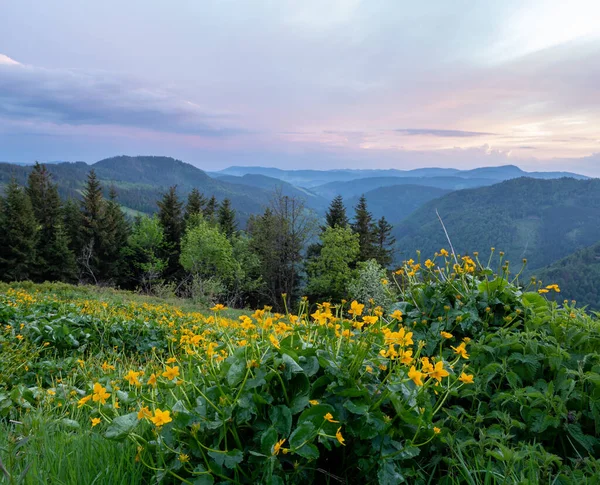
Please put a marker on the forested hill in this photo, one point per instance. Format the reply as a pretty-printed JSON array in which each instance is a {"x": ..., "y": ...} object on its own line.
[
  {"x": 578, "y": 276},
  {"x": 540, "y": 220},
  {"x": 140, "y": 181}
]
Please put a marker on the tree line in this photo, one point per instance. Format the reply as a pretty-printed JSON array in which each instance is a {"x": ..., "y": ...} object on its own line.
[{"x": 192, "y": 248}]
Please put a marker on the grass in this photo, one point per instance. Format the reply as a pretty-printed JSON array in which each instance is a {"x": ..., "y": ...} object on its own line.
[{"x": 39, "y": 450}]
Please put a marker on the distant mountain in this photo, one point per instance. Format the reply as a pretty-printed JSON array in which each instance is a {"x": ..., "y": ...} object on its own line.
[
  {"x": 311, "y": 199},
  {"x": 396, "y": 202},
  {"x": 577, "y": 275},
  {"x": 314, "y": 178},
  {"x": 357, "y": 187},
  {"x": 541, "y": 220}
]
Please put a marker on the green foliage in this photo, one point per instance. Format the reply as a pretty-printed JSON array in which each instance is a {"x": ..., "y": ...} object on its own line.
[
  {"x": 18, "y": 234},
  {"x": 143, "y": 250},
  {"x": 226, "y": 219},
  {"x": 171, "y": 218},
  {"x": 368, "y": 284},
  {"x": 336, "y": 213},
  {"x": 206, "y": 252},
  {"x": 330, "y": 273},
  {"x": 363, "y": 226}
]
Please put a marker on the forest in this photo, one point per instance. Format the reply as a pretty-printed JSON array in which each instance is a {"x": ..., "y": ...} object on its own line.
[{"x": 191, "y": 248}]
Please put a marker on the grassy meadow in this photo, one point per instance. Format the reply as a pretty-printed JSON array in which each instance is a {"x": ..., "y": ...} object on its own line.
[{"x": 469, "y": 376}]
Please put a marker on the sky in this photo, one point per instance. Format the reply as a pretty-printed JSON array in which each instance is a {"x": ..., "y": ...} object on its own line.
[{"x": 303, "y": 84}]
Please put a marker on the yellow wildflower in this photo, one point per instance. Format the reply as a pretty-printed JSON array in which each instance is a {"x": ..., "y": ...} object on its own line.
[
  {"x": 100, "y": 394},
  {"x": 171, "y": 372},
  {"x": 277, "y": 447},
  {"x": 446, "y": 334},
  {"x": 416, "y": 376},
  {"x": 461, "y": 350},
  {"x": 132, "y": 378},
  {"x": 439, "y": 372},
  {"x": 329, "y": 417},
  {"x": 356, "y": 309},
  {"x": 152, "y": 380},
  {"x": 340, "y": 438},
  {"x": 466, "y": 378},
  {"x": 96, "y": 421},
  {"x": 161, "y": 417},
  {"x": 144, "y": 413}
]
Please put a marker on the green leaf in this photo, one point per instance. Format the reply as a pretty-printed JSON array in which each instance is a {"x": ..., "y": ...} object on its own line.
[
  {"x": 281, "y": 418},
  {"x": 230, "y": 459},
  {"x": 308, "y": 451},
  {"x": 268, "y": 440},
  {"x": 389, "y": 473},
  {"x": 356, "y": 407},
  {"x": 237, "y": 371},
  {"x": 304, "y": 432},
  {"x": 291, "y": 366},
  {"x": 121, "y": 426}
]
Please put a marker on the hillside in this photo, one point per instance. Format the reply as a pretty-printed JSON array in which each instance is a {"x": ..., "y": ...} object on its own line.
[
  {"x": 578, "y": 276},
  {"x": 541, "y": 220},
  {"x": 312, "y": 200},
  {"x": 314, "y": 178},
  {"x": 397, "y": 202},
  {"x": 140, "y": 181},
  {"x": 361, "y": 186}
]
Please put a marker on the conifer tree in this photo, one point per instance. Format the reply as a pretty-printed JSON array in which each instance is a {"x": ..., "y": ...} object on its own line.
[
  {"x": 226, "y": 219},
  {"x": 93, "y": 208},
  {"x": 18, "y": 237},
  {"x": 55, "y": 261},
  {"x": 210, "y": 209},
  {"x": 384, "y": 241},
  {"x": 72, "y": 221},
  {"x": 171, "y": 219},
  {"x": 195, "y": 204},
  {"x": 336, "y": 214},
  {"x": 363, "y": 225},
  {"x": 116, "y": 231}
]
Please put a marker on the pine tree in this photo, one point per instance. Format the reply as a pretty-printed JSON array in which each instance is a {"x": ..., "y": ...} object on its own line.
[
  {"x": 18, "y": 234},
  {"x": 171, "y": 219},
  {"x": 195, "y": 204},
  {"x": 336, "y": 214},
  {"x": 210, "y": 209},
  {"x": 384, "y": 241},
  {"x": 55, "y": 261},
  {"x": 116, "y": 231},
  {"x": 93, "y": 208},
  {"x": 72, "y": 221},
  {"x": 226, "y": 219},
  {"x": 363, "y": 225}
]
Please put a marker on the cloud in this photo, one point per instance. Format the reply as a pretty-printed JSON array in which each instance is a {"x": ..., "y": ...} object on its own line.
[
  {"x": 84, "y": 97},
  {"x": 441, "y": 133}
]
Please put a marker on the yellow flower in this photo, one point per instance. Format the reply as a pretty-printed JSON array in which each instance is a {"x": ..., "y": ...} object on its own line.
[
  {"x": 132, "y": 377},
  {"x": 406, "y": 356},
  {"x": 313, "y": 402},
  {"x": 384, "y": 281},
  {"x": 100, "y": 394},
  {"x": 416, "y": 376},
  {"x": 461, "y": 350},
  {"x": 429, "y": 264},
  {"x": 83, "y": 400},
  {"x": 218, "y": 307},
  {"x": 466, "y": 378},
  {"x": 443, "y": 252},
  {"x": 370, "y": 320},
  {"x": 183, "y": 458},
  {"x": 170, "y": 360},
  {"x": 436, "y": 430},
  {"x": 340, "y": 438},
  {"x": 446, "y": 334},
  {"x": 369, "y": 369},
  {"x": 329, "y": 417},
  {"x": 439, "y": 372},
  {"x": 277, "y": 446},
  {"x": 542, "y": 291},
  {"x": 96, "y": 421},
  {"x": 171, "y": 372},
  {"x": 106, "y": 366},
  {"x": 397, "y": 315},
  {"x": 144, "y": 413},
  {"x": 152, "y": 380},
  {"x": 274, "y": 341},
  {"x": 356, "y": 309},
  {"x": 161, "y": 417},
  {"x": 20, "y": 337}
]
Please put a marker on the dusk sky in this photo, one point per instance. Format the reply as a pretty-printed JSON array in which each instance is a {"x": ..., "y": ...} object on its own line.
[{"x": 303, "y": 84}]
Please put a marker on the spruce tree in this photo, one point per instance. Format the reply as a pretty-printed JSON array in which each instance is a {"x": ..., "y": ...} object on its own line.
[
  {"x": 18, "y": 234},
  {"x": 210, "y": 209},
  {"x": 55, "y": 261},
  {"x": 72, "y": 221},
  {"x": 336, "y": 214},
  {"x": 384, "y": 241},
  {"x": 171, "y": 219},
  {"x": 116, "y": 231},
  {"x": 93, "y": 208},
  {"x": 195, "y": 204},
  {"x": 226, "y": 219},
  {"x": 365, "y": 228}
]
